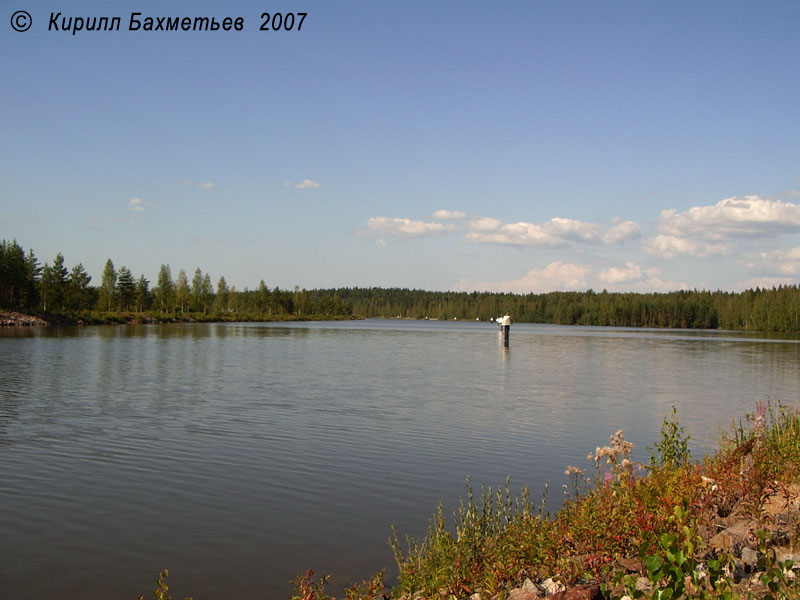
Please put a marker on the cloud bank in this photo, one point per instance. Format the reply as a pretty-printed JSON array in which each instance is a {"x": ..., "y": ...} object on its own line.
[
  {"x": 705, "y": 231},
  {"x": 556, "y": 232},
  {"x": 732, "y": 227}
]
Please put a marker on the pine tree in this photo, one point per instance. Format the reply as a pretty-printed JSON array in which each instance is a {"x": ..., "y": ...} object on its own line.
[
  {"x": 78, "y": 295},
  {"x": 126, "y": 288},
  {"x": 33, "y": 272},
  {"x": 59, "y": 278},
  {"x": 142, "y": 294}
]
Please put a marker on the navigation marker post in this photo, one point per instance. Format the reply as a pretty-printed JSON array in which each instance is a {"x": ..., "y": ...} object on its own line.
[{"x": 505, "y": 325}]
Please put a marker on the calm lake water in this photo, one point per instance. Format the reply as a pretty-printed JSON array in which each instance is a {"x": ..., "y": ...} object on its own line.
[{"x": 238, "y": 455}]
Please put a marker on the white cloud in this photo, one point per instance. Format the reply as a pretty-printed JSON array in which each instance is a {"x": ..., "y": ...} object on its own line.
[
  {"x": 779, "y": 262},
  {"x": 553, "y": 277},
  {"x": 622, "y": 231},
  {"x": 136, "y": 204},
  {"x": 449, "y": 214},
  {"x": 671, "y": 245},
  {"x": 403, "y": 228},
  {"x": 633, "y": 278},
  {"x": 652, "y": 282},
  {"x": 306, "y": 184},
  {"x": 558, "y": 231},
  {"x": 733, "y": 218},
  {"x": 555, "y": 232},
  {"x": 630, "y": 272}
]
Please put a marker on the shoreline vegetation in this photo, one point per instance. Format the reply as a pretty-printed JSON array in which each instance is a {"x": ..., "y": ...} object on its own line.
[
  {"x": 726, "y": 526},
  {"x": 16, "y": 319},
  {"x": 60, "y": 295}
]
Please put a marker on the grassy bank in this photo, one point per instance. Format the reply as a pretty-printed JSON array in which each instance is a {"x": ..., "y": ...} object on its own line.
[{"x": 727, "y": 526}]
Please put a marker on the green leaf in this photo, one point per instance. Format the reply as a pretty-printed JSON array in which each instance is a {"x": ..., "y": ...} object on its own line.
[{"x": 653, "y": 564}]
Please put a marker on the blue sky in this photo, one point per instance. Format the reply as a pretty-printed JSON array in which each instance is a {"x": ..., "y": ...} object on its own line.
[{"x": 517, "y": 146}]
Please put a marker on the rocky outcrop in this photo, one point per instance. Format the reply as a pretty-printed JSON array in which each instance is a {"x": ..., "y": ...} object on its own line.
[{"x": 15, "y": 319}]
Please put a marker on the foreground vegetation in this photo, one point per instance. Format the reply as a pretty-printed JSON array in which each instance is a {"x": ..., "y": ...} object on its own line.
[
  {"x": 54, "y": 291},
  {"x": 725, "y": 527}
]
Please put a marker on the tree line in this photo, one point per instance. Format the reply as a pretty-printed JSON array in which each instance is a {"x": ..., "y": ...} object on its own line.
[
  {"x": 25, "y": 284},
  {"x": 760, "y": 309}
]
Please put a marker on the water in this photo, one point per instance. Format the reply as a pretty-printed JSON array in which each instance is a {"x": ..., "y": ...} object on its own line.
[{"x": 238, "y": 455}]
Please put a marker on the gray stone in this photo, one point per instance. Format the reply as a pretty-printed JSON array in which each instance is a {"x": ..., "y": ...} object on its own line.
[
  {"x": 531, "y": 587},
  {"x": 520, "y": 594},
  {"x": 750, "y": 557},
  {"x": 643, "y": 584},
  {"x": 551, "y": 586}
]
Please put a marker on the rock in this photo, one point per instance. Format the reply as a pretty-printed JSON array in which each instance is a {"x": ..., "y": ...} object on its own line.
[
  {"x": 741, "y": 533},
  {"x": 531, "y": 587},
  {"x": 643, "y": 584},
  {"x": 784, "y": 554},
  {"x": 750, "y": 557},
  {"x": 722, "y": 541},
  {"x": 581, "y": 592},
  {"x": 551, "y": 586},
  {"x": 631, "y": 565},
  {"x": 782, "y": 502},
  {"x": 520, "y": 594},
  {"x": 15, "y": 319}
]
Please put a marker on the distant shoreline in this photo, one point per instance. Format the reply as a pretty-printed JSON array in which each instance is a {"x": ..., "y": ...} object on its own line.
[{"x": 17, "y": 319}]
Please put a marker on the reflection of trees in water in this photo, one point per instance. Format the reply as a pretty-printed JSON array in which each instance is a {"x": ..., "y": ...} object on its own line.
[
  {"x": 8, "y": 412},
  {"x": 20, "y": 332},
  {"x": 12, "y": 388}
]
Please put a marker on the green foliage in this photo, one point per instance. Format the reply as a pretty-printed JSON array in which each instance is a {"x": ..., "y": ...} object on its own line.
[
  {"x": 80, "y": 296},
  {"x": 774, "y": 573},
  {"x": 675, "y": 571},
  {"x": 492, "y": 537},
  {"x": 161, "y": 591},
  {"x": 673, "y": 449},
  {"x": 25, "y": 285},
  {"x": 125, "y": 289},
  {"x": 367, "y": 590},
  {"x": 777, "y": 309}
]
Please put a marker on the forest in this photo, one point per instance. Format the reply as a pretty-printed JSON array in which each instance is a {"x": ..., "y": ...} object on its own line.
[{"x": 51, "y": 288}]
